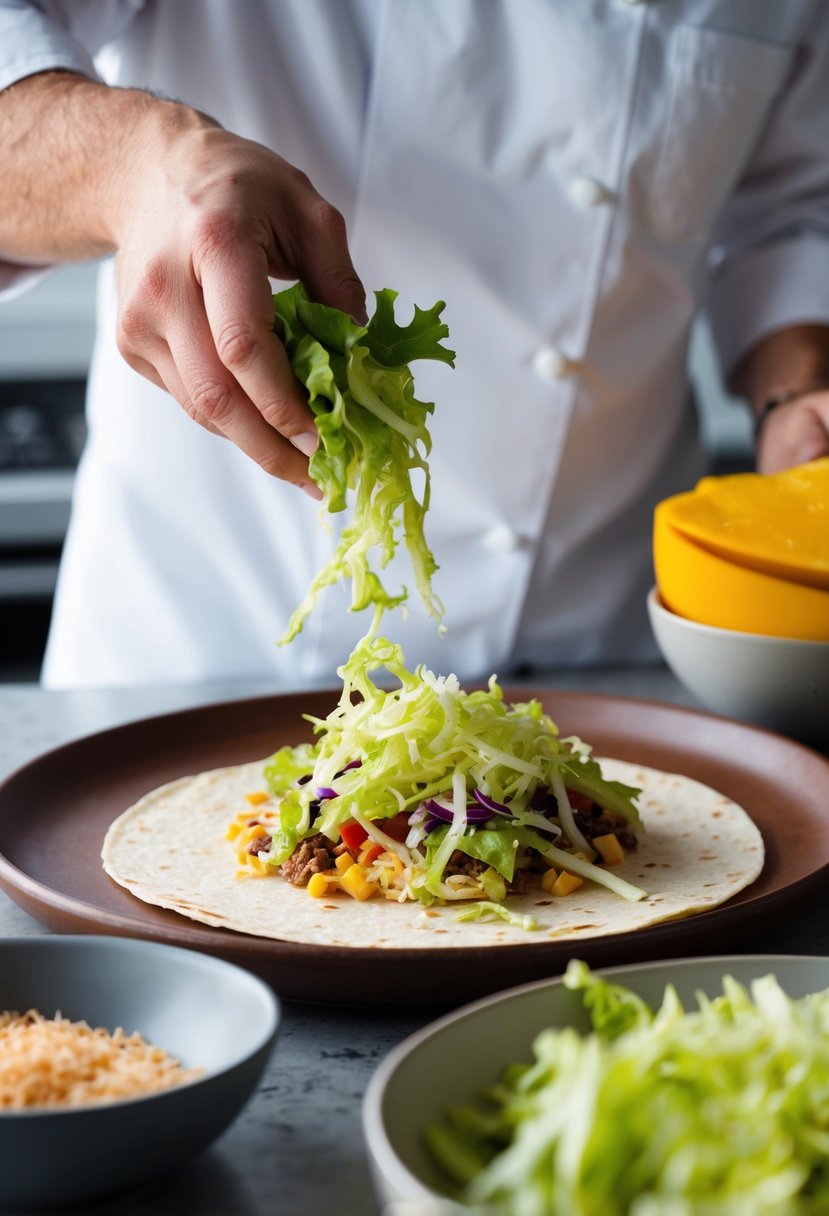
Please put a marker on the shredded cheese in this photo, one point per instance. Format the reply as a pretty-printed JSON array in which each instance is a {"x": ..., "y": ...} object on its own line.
[{"x": 53, "y": 1062}]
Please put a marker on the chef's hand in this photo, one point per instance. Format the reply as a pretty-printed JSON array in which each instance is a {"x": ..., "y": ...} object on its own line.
[
  {"x": 198, "y": 219},
  {"x": 794, "y": 432},
  {"x": 790, "y": 367},
  {"x": 204, "y": 219}
]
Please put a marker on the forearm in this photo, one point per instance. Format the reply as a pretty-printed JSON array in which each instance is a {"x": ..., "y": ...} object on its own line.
[
  {"x": 789, "y": 363},
  {"x": 70, "y": 150}
]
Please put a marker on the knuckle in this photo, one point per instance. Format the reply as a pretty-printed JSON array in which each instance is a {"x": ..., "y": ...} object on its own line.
[
  {"x": 211, "y": 400},
  {"x": 141, "y": 306},
  {"x": 236, "y": 344},
  {"x": 275, "y": 463},
  {"x": 326, "y": 219},
  {"x": 346, "y": 280},
  {"x": 278, "y": 413},
  {"x": 213, "y": 233}
]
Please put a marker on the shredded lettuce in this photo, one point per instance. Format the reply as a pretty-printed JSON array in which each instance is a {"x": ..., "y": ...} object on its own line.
[
  {"x": 373, "y": 436},
  {"x": 720, "y": 1110},
  {"x": 428, "y": 738},
  {"x": 484, "y": 909}
]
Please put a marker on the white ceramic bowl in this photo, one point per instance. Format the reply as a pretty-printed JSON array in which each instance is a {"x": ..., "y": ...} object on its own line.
[
  {"x": 451, "y": 1061},
  {"x": 779, "y": 683},
  {"x": 207, "y": 1013}
]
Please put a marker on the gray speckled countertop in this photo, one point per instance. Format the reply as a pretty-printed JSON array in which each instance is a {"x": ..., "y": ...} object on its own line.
[{"x": 297, "y": 1147}]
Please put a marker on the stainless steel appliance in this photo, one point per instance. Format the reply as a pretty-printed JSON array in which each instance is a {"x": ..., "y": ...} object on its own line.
[{"x": 46, "y": 337}]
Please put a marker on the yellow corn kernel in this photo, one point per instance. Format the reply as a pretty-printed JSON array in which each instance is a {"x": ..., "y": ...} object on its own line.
[
  {"x": 566, "y": 883},
  {"x": 354, "y": 882},
  {"x": 256, "y": 797},
  {"x": 548, "y": 879},
  {"x": 611, "y": 851},
  {"x": 343, "y": 862},
  {"x": 318, "y": 885},
  {"x": 258, "y": 866},
  {"x": 258, "y": 830},
  {"x": 233, "y": 831}
]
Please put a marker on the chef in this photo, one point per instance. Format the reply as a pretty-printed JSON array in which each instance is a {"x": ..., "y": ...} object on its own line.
[{"x": 577, "y": 179}]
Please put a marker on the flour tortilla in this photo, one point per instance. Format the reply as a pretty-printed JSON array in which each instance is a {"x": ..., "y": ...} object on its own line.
[{"x": 697, "y": 850}]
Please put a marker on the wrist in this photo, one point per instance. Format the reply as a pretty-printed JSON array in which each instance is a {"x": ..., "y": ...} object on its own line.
[
  {"x": 149, "y": 157},
  {"x": 787, "y": 364},
  {"x": 783, "y": 396}
]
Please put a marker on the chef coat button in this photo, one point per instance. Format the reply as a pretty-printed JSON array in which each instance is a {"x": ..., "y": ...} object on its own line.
[
  {"x": 588, "y": 192},
  {"x": 550, "y": 364},
  {"x": 502, "y": 539}
]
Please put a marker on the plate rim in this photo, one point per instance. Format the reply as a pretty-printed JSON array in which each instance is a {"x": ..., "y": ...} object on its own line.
[{"x": 251, "y": 949}]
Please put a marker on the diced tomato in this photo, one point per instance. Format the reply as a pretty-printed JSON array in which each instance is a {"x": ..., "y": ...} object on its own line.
[
  {"x": 369, "y": 853},
  {"x": 397, "y": 827},
  {"x": 353, "y": 835}
]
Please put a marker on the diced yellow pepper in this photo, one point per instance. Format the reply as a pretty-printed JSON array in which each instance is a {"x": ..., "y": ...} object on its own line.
[
  {"x": 343, "y": 862},
  {"x": 256, "y": 797},
  {"x": 548, "y": 878},
  {"x": 318, "y": 885},
  {"x": 354, "y": 882},
  {"x": 611, "y": 851},
  {"x": 566, "y": 883}
]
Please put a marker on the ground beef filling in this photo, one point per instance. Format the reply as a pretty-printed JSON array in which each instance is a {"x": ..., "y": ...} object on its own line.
[
  {"x": 311, "y": 856},
  {"x": 462, "y": 863},
  {"x": 596, "y": 822}
]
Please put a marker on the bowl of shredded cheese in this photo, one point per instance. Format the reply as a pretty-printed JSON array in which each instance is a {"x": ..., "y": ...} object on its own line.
[{"x": 119, "y": 1059}]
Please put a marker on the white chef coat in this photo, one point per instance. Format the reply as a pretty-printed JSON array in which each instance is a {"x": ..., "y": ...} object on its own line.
[{"x": 576, "y": 178}]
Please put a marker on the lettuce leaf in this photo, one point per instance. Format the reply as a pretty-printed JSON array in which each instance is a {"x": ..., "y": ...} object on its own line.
[{"x": 373, "y": 436}]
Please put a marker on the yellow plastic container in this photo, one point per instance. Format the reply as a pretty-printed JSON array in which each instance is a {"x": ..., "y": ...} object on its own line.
[
  {"x": 703, "y": 586},
  {"x": 776, "y": 524}
]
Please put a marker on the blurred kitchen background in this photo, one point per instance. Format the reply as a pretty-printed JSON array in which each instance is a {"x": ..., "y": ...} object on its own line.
[{"x": 45, "y": 344}]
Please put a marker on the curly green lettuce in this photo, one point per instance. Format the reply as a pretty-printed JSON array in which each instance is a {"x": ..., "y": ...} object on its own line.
[{"x": 372, "y": 437}]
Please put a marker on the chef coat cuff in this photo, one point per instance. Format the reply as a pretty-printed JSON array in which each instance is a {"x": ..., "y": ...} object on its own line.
[
  {"x": 30, "y": 43},
  {"x": 767, "y": 289}
]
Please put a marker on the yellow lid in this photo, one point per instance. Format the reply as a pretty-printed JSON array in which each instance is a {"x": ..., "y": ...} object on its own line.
[
  {"x": 777, "y": 524},
  {"x": 704, "y": 587}
]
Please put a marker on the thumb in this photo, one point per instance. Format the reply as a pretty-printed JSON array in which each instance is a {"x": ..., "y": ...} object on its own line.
[{"x": 325, "y": 265}]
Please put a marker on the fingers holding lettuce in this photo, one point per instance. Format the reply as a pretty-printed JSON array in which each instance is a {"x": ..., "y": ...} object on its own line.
[{"x": 213, "y": 218}]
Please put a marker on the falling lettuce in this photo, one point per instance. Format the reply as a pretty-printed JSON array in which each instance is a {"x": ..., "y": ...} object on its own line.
[
  {"x": 717, "y": 1111},
  {"x": 373, "y": 436}
]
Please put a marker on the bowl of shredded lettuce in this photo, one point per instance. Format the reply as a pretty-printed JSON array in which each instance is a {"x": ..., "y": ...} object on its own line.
[{"x": 697, "y": 1087}]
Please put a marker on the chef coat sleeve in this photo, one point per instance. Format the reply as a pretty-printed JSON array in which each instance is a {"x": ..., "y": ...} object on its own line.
[
  {"x": 48, "y": 35},
  {"x": 769, "y": 265}
]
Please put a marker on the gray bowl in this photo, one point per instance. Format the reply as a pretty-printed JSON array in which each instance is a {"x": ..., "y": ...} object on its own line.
[
  {"x": 205, "y": 1012},
  {"x": 779, "y": 683},
  {"x": 452, "y": 1060}
]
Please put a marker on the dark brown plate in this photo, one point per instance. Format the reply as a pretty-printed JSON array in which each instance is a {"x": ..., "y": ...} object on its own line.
[{"x": 55, "y": 811}]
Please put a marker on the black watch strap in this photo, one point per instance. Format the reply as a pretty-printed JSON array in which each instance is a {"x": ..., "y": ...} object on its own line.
[{"x": 783, "y": 397}]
